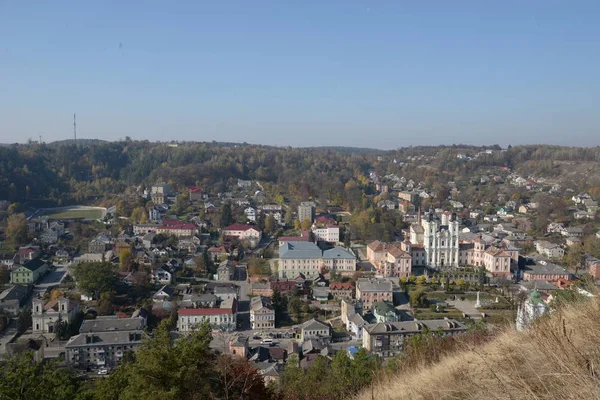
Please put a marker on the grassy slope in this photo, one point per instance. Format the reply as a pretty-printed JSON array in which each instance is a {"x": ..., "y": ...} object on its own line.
[{"x": 558, "y": 359}]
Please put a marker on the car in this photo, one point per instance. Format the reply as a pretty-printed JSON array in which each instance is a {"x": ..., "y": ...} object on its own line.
[
  {"x": 256, "y": 337},
  {"x": 103, "y": 371}
]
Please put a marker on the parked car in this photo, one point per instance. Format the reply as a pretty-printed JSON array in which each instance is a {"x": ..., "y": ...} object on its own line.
[{"x": 103, "y": 371}]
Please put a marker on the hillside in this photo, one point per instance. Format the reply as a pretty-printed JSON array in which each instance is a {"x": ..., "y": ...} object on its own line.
[{"x": 557, "y": 359}]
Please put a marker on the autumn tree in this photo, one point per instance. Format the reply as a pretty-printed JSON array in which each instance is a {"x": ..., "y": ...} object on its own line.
[
  {"x": 270, "y": 223},
  {"x": 16, "y": 229},
  {"x": 95, "y": 278}
]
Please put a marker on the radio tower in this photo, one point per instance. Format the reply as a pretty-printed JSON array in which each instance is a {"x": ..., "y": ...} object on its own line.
[{"x": 74, "y": 128}]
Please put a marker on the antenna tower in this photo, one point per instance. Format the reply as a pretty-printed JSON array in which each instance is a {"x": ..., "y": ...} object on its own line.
[{"x": 74, "y": 128}]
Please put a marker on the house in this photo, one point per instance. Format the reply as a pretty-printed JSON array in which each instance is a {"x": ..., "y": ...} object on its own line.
[
  {"x": 34, "y": 346},
  {"x": 250, "y": 213},
  {"x": 262, "y": 315},
  {"x": 244, "y": 184},
  {"x": 593, "y": 265},
  {"x": 163, "y": 275},
  {"x": 29, "y": 272},
  {"x": 385, "y": 312},
  {"x": 176, "y": 228},
  {"x": 243, "y": 232},
  {"x": 192, "y": 300},
  {"x": 579, "y": 198},
  {"x": 12, "y": 298},
  {"x": 388, "y": 339},
  {"x": 584, "y": 215},
  {"x": 304, "y": 237},
  {"x": 320, "y": 293},
  {"x": 545, "y": 271},
  {"x": 102, "y": 342},
  {"x": 209, "y": 207},
  {"x": 226, "y": 271},
  {"x": 148, "y": 240},
  {"x": 341, "y": 290},
  {"x": 310, "y": 259},
  {"x": 387, "y": 204},
  {"x": 165, "y": 293},
  {"x": 45, "y": 317},
  {"x": 572, "y": 232},
  {"x": 555, "y": 227},
  {"x": 216, "y": 253},
  {"x": 548, "y": 249},
  {"x": 195, "y": 193},
  {"x": 315, "y": 329},
  {"x": 530, "y": 310},
  {"x": 99, "y": 245},
  {"x": 189, "y": 319},
  {"x": 53, "y": 233},
  {"x": 524, "y": 209},
  {"x": 154, "y": 214},
  {"x": 370, "y": 291},
  {"x": 89, "y": 257},
  {"x": 238, "y": 345},
  {"x": 326, "y": 233}
]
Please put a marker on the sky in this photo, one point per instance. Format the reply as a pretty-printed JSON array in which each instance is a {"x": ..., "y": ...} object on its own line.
[{"x": 380, "y": 74}]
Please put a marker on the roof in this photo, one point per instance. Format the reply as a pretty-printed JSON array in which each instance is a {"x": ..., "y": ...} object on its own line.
[
  {"x": 496, "y": 252},
  {"x": 204, "y": 311},
  {"x": 410, "y": 327},
  {"x": 240, "y": 227},
  {"x": 382, "y": 308},
  {"x": 314, "y": 324},
  {"x": 53, "y": 304},
  {"x": 309, "y": 250},
  {"x": 34, "y": 264},
  {"x": 104, "y": 338},
  {"x": 341, "y": 286},
  {"x": 538, "y": 284},
  {"x": 545, "y": 268},
  {"x": 374, "y": 285},
  {"x": 111, "y": 325}
]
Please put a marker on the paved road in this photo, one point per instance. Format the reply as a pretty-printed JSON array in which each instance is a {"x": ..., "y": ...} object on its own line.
[
  {"x": 466, "y": 307},
  {"x": 54, "y": 277}
]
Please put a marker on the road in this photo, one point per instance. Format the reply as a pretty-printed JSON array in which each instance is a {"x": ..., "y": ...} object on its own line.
[
  {"x": 52, "y": 278},
  {"x": 466, "y": 307}
]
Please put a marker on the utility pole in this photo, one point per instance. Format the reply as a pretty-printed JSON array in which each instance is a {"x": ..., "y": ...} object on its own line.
[
  {"x": 74, "y": 128},
  {"x": 40, "y": 139}
]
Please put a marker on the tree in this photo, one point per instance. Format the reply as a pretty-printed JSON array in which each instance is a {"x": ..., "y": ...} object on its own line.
[
  {"x": 181, "y": 203},
  {"x": 125, "y": 259},
  {"x": 16, "y": 229},
  {"x": 270, "y": 223},
  {"x": 4, "y": 274},
  {"x": 305, "y": 225},
  {"x": 226, "y": 215},
  {"x": 21, "y": 378},
  {"x": 95, "y": 278},
  {"x": 139, "y": 215},
  {"x": 574, "y": 256},
  {"x": 418, "y": 298},
  {"x": 297, "y": 225},
  {"x": 279, "y": 303}
]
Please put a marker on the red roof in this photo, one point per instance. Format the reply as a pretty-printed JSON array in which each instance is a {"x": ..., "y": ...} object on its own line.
[
  {"x": 340, "y": 285},
  {"x": 282, "y": 285},
  {"x": 240, "y": 227},
  {"x": 204, "y": 311},
  {"x": 194, "y": 189}
]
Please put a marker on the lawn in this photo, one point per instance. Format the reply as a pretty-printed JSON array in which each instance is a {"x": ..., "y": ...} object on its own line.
[
  {"x": 426, "y": 313},
  {"x": 76, "y": 214}
]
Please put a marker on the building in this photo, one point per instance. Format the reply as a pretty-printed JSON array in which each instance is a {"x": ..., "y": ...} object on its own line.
[
  {"x": 548, "y": 249},
  {"x": 29, "y": 272},
  {"x": 52, "y": 233},
  {"x": 341, "y": 290},
  {"x": 530, "y": 310},
  {"x": 306, "y": 211},
  {"x": 99, "y": 245},
  {"x": 315, "y": 329},
  {"x": 262, "y": 315},
  {"x": 440, "y": 243},
  {"x": 176, "y": 228},
  {"x": 304, "y": 237},
  {"x": 371, "y": 291},
  {"x": 388, "y": 339},
  {"x": 45, "y": 317},
  {"x": 385, "y": 312},
  {"x": 243, "y": 232},
  {"x": 161, "y": 188},
  {"x": 545, "y": 271},
  {"x": 102, "y": 342},
  {"x": 310, "y": 259},
  {"x": 326, "y": 233},
  {"x": 195, "y": 193},
  {"x": 389, "y": 259},
  {"x": 12, "y": 298},
  {"x": 190, "y": 319},
  {"x": 226, "y": 271}
]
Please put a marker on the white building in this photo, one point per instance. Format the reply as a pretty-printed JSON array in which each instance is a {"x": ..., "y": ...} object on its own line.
[
  {"x": 549, "y": 249},
  {"x": 250, "y": 214},
  {"x": 262, "y": 315},
  {"x": 189, "y": 319},
  {"x": 309, "y": 259},
  {"x": 45, "y": 317},
  {"x": 439, "y": 242},
  {"x": 530, "y": 310},
  {"x": 329, "y": 233}
]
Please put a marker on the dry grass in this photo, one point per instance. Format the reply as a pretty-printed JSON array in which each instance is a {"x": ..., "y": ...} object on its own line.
[{"x": 557, "y": 359}]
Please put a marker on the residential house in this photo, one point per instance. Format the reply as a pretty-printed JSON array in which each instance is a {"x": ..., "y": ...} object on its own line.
[
  {"x": 165, "y": 293},
  {"x": 189, "y": 319},
  {"x": 244, "y": 184},
  {"x": 341, "y": 290},
  {"x": 154, "y": 215},
  {"x": 12, "y": 298},
  {"x": 370, "y": 291},
  {"x": 176, "y": 228},
  {"x": 99, "y": 245},
  {"x": 243, "y": 232},
  {"x": 548, "y": 249},
  {"x": 387, "y": 204},
  {"x": 262, "y": 315},
  {"x": 89, "y": 257},
  {"x": 572, "y": 232},
  {"x": 195, "y": 193},
  {"x": 29, "y": 272},
  {"x": 53, "y": 233},
  {"x": 193, "y": 300},
  {"x": 385, "y": 312},
  {"x": 250, "y": 213},
  {"x": 545, "y": 271},
  {"x": 45, "y": 317},
  {"x": 320, "y": 293},
  {"x": 388, "y": 339},
  {"x": 148, "y": 240},
  {"x": 584, "y": 215},
  {"x": 227, "y": 271},
  {"x": 326, "y": 233},
  {"x": 163, "y": 275},
  {"x": 102, "y": 342},
  {"x": 315, "y": 329}
]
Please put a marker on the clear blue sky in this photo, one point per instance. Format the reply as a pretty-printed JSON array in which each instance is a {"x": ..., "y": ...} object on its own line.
[{"x": 302, "y": 73}]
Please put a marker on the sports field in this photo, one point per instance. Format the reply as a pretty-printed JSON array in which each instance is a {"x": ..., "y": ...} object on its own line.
[{"x": 75, "y": 214}]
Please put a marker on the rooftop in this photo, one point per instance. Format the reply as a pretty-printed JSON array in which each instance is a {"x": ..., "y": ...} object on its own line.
[
  {"x": 410, "y": 327},
  {"x": 111, "y": 325}
]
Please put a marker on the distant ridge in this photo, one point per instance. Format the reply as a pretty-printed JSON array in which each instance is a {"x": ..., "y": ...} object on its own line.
[{"x": 82, "y": 142}]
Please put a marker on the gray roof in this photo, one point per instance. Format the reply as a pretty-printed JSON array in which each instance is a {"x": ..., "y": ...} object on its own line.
[
  {"x": 540, "y": 285},
  {"x": 111, "y": 325},
  {"x": 374, "y": 285},
  {"x": 309, "y": 250},
  {"x": 410, "y": 327},
  {"x": 314, "y": 324},
  {"x": 34, "y": 264},
  {"x": 105, "y": 338},
  {"x": 545, "y": 268}
]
